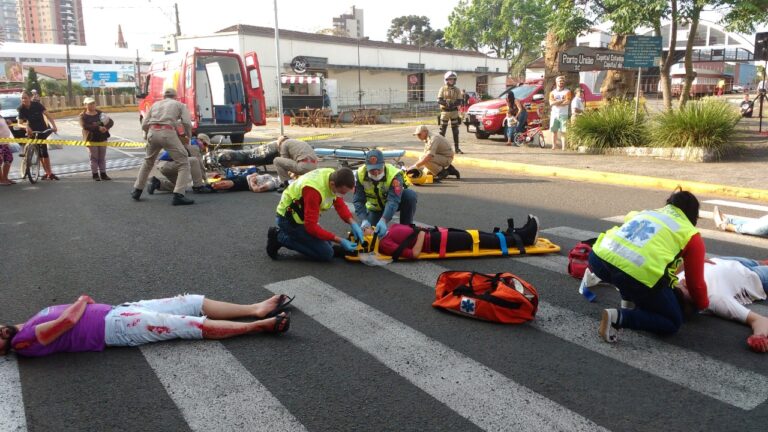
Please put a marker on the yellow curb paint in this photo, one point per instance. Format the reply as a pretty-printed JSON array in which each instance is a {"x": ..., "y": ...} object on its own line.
[{"x": 603, "y": 177}]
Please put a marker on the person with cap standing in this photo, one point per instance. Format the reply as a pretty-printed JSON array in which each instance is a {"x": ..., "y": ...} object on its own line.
[
  {"x": 438, "y": 155},
  {"x": 171, "y": 170},
  {"x": 160, "y": 130},
  {"x": 296, "y": 157},
  {"x": 96, "y": 125},
  {"x": 381, "y": 190},
  {"x": 298, "y": 215},
  {"x": 449, "y": 98}
]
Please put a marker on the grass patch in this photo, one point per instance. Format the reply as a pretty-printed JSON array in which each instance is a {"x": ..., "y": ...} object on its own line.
[
  {"x": 709, "y": 124},
  {"x": 612, "y": 125}
]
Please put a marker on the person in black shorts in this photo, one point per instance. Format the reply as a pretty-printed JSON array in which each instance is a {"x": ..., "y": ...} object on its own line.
[{"x": 37, "y": 119}]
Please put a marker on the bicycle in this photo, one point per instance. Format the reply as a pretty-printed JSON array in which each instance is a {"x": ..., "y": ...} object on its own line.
[
  {"x": 30, "y": 161},
  {"x": 532, "y": 134}
]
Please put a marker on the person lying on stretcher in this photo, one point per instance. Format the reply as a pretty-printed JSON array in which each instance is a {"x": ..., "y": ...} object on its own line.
[{"x": 457, "y": 240}]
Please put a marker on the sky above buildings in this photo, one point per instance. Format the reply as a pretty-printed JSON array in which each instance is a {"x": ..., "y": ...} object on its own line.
[{"x": 146, "y": 22}]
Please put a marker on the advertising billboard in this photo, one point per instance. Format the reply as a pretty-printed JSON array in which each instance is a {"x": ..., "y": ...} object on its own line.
[
  {"x": 104, "y": 75},
  {"x": 10, "y": 71}
]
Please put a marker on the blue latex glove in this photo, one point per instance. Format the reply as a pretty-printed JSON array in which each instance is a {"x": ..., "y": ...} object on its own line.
[
  {"x": 348, "y": 245},
  {"x": 381, "y": 228},
  {"x": 357, "y": 231}
]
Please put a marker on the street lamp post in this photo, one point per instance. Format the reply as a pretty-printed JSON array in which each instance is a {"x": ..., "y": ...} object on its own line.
[
  {"x": 277, "y": 71},
  {"x": 359, "y": 85}
]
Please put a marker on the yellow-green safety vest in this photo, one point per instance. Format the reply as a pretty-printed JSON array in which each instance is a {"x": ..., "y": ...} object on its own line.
[
  {"x": 376, "y": 192},
  {"x": 648, "y": 245},
  {"x": 291, "y": 203}
]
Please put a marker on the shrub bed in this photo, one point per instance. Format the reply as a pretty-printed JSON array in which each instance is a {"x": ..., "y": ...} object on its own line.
[
  {"x": 613, "y": 125},
  {"x": 709, "y": 124}
]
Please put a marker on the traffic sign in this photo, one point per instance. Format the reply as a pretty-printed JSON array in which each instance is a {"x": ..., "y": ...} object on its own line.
[{"x": 642, "y": 52}]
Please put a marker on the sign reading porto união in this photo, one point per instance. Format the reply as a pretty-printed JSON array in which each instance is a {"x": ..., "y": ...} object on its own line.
[
  {"x": 580, "y": 59},
  {"x": 642, "y": 51}
]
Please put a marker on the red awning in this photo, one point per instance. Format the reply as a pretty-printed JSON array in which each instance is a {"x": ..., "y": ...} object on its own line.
[{"x": 299, "y": 79}]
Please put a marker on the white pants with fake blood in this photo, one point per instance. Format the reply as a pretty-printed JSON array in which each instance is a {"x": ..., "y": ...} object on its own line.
[{"x": 145, "y": 321}]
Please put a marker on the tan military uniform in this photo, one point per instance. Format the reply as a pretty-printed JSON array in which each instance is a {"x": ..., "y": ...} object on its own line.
[
  {"x": 296, "y": 157},
  {"x": 160, "y": 128},
  {"x": 171, "y": 170},
  {"x": 441, "y": 151},
  {"x": 449, "y": 98}
]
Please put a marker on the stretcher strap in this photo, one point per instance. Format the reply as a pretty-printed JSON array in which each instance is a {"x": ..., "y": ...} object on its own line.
[
  {"x": 518, "y": 242},
  {"x": 443, "y": 240},
  {"x": 475, "y": 241},
  {"x": 502, "y": 243}
]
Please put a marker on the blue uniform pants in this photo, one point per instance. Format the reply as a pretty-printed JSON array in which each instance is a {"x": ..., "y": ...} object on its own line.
[
  {"x": 656, "y": 309},
  {"x": 407, "y": 209},
  {"x": 295, "y": 237}
]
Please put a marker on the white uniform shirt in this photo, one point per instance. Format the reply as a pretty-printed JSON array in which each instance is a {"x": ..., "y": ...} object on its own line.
[{"x": 731, "y": 285}]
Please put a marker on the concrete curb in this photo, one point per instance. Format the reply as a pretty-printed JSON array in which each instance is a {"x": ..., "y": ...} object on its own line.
[{"x": 603, "y": 177}]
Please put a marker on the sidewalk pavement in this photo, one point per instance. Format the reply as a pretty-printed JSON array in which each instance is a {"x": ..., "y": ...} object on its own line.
[{"x": 741, "y": 175}]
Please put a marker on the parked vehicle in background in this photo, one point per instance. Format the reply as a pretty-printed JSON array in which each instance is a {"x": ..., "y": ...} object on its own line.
[
  {"x": 487, "y": 118},
  {"x": 223, "y": 93},
  {"x": 8, "y": 104}
]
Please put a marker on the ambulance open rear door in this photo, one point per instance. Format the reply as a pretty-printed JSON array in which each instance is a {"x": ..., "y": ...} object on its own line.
[{"x": 255, "y": 90}]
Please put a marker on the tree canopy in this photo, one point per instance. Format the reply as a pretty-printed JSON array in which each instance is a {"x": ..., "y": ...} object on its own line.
[{"x": 415, "y": 30}]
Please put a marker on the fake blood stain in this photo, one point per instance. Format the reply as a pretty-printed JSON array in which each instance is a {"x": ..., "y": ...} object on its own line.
[
  {"x": 158, "y": 329},
  {"x": 129, "y": 313}
]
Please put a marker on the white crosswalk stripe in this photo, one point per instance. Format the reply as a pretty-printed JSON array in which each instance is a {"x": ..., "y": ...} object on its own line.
[
  {"x": 724, "y": 382},
  {"x": 729, "y": 237},
  {"x": 510, "y": 406},
  {"x": 736, "y": 204},
  {"x": 214, "y": 391},
  {"x": 12, "y": 417}
]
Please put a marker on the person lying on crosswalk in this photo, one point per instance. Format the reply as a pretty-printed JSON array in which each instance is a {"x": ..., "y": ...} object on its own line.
[
  {"x": 88, "y": 326},
  {"x": 640, "y": 258},
  {"x": 757, "y": 227},
  {"x": 254, "y": 182},
  {"x": 408, "y": 242},
  {"x": 733, "y": 282}
]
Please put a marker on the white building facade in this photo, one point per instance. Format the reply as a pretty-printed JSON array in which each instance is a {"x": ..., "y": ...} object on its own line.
[{"x": 358, "y": 72}]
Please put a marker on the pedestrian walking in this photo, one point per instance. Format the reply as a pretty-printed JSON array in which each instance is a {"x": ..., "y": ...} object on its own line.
[
  {"x": 160, "y": 129},
  {"x": 96, "y": 126}
]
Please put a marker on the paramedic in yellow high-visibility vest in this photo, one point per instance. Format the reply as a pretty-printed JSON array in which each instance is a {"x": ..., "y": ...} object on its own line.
[
  {"x": 298, "y": 215},
  {"x": 381, "y": 190},
  {"x": 641, "y": 259}
]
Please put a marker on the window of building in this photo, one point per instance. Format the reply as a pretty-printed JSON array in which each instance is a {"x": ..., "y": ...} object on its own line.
[
  {"x": 716, "y": 37},
  {"x": 102, "y": 62},
  {"x": 31, "y": 59},
  {"x": 83, "y": 61}
]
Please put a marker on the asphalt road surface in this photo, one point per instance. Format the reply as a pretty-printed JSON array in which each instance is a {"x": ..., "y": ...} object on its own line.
[{"x": 366, "y": 351}]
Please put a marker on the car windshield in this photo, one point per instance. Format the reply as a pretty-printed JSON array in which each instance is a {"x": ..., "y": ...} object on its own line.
[
  {"x": 520, "y": 92},
  {"x": 10, "y": 102}
]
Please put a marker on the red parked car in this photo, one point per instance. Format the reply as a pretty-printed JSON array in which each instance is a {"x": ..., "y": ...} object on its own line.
[{"x": 487, "y": 118}]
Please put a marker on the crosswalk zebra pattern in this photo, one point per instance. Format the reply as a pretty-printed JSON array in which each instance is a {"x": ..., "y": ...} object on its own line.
[
  {"x": 214, "y": 391},
  {"x": 119, "y": 164}
]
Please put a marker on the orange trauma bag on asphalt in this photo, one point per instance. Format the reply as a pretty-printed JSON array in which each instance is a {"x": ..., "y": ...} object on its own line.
[{"x": 500, "y": 297}]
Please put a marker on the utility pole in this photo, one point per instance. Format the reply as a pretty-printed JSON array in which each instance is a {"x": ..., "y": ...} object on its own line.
[
  {"x": 359, "y": 86},
  {"x": 138, "y": 73},
  {"x": 277, "y": 72},
  {"x": 70, "y": 99},
  {"x": 178, "y": 25}
]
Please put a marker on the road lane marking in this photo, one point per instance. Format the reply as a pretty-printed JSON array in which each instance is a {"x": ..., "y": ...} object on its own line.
[
  {"x": 214, "y": 391},
  {"x": 724, "y": 203},
  {"x": 12, "y": 416},
  {"x": 484, "y": 396},
  {"x": 729, "y": 237},
  {"x": 735, "y": 386},
  {"x": 570, "y": 233}
]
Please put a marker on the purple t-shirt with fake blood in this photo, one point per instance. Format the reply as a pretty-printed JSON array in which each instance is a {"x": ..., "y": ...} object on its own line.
[{"x": 86, "y": 335}]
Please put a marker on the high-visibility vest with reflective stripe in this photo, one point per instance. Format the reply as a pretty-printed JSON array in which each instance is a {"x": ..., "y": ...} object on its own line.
[
  {"x": 648, "y": 245},
  {"x": 291, "y": 203},
  {"x": 376, "y": 192}
]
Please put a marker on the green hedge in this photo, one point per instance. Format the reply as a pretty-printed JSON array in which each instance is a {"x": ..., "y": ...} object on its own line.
[
  {"x": 708, "y": 123},
  {"x": 612, "y": 125}
]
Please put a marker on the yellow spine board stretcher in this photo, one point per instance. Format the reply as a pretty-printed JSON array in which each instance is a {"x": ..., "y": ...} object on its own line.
[
  {"x": 423, "y": 177},
  {"x": 542, "y": 246}
]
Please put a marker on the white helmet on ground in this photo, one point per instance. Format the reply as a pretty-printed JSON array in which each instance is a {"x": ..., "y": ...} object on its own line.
[{"x": 449, "y": 75}]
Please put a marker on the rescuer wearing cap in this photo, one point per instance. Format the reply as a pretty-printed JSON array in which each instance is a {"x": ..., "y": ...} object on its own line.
[
  {"x": 381, "y": 189},
  {"x": 449, "y": 98},
  {"x": 160, "y": 131},
  {"x": 438, "y": 155}
]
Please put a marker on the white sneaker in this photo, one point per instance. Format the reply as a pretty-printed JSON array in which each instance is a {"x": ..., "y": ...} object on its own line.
[
  {"x": 720, "y": 222},
  {"x": 607, "y": 331}
]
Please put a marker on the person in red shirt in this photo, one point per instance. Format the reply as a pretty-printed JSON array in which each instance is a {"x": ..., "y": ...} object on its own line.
[
  {"x": 298, "y": 215},
  {"x": 651, "y": 307}
]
